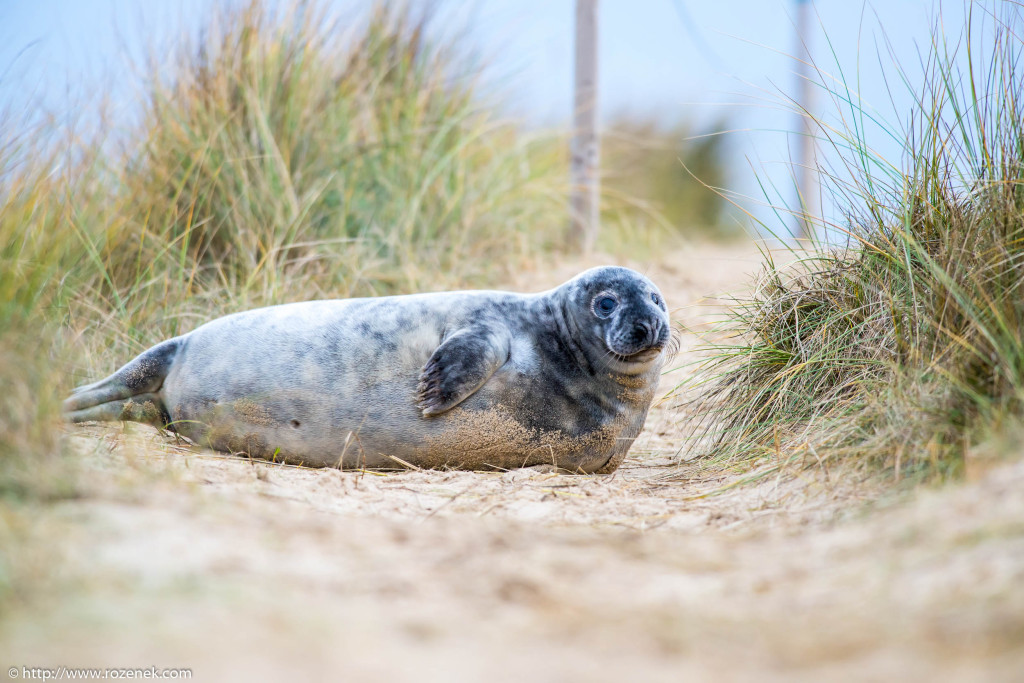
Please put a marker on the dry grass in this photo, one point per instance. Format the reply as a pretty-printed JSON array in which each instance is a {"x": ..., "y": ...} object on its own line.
[
  {"x": 669, "y": 176},
  {"x": 279, "y": 149},
  {"x": 903, "y": 349}
]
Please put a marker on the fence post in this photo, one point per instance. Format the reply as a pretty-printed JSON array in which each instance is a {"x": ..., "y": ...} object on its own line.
[
  {"x": 585, "y": 147},
  {"x": 807, "y": 173}
]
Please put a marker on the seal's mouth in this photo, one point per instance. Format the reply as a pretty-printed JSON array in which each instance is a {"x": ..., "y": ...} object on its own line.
[
  {"x": 645, "y": 355},
  {"x": 639, "y": 351},
  {"x": 642, "y": 355}
]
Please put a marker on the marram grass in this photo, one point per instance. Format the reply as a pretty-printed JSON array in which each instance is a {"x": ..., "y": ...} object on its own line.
[
  {"x": 905, "y": 349},
  {"x": 277, "y": 150}
]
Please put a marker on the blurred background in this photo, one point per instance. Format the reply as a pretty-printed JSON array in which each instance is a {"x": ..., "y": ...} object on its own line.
[
  {"x": 167, "y": 162},
  {"x": 682, "y": 84}
]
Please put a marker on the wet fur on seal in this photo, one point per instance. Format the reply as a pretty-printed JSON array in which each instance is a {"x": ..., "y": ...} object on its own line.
[{"x": 464, "y": 380}]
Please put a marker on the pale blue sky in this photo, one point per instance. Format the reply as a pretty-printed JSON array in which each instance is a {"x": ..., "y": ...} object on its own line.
[{"x": 665, "y": 59}]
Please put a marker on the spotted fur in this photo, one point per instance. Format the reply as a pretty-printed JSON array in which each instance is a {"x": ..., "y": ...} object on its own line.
[{"x": 468, "y": 380}]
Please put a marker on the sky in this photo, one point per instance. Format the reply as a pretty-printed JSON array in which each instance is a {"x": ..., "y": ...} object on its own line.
[{"x": 666, "y": 60}]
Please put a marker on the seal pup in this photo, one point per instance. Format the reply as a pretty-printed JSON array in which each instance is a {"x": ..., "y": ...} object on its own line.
[{"x": 462, "y": 380}]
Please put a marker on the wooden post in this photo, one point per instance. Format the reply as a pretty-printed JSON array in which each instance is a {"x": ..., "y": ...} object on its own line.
[
  {"x": 806, "y": 171},
  {"x": 585, "y": 149}
]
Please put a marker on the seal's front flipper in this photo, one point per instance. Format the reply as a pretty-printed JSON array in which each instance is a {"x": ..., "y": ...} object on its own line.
[{"x": 460, "y": 366}]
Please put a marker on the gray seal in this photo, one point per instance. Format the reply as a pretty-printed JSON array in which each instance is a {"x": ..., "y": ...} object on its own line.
[{"x": 480, "y": 380}]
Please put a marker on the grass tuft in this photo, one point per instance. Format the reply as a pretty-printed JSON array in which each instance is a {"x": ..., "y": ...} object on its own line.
[
  {"x": 284, "y": 146},
  {"x": 905, "y": 348}
]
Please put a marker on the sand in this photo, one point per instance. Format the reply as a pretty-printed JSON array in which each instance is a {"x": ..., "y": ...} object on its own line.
[{"x": 240, "y": 570}]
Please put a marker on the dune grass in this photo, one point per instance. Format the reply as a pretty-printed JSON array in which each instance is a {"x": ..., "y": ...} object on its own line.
[
  {"x": 283, "y": 156},
  {"x": 904, "y": 349},
  {"x": 667, "y": 175},
  {"x": 286, "y": 149}
]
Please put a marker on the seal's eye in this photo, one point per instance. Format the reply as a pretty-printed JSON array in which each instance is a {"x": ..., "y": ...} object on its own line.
[
  {"x": 605, "y": 305},
  {"x": 655, "y": 298}
]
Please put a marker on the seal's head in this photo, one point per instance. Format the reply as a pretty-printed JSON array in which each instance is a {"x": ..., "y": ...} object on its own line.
[{"x": 621, "y": 317}]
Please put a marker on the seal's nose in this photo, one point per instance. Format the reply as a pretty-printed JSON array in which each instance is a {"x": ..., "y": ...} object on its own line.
[{"x": 646, "y": 333}]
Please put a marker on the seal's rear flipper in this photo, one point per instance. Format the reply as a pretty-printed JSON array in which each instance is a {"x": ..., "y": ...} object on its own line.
[
  {"x": 147, "y": 408},
  {"x": 460, "y": 366},
  {"x": 128, "y": 394}
]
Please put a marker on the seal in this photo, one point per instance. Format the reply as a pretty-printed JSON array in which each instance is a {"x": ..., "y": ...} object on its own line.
[{"x": 479, "y": 380}]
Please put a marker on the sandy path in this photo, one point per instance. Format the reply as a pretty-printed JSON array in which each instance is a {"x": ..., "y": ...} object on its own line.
[{"x": 247, "y": 571}]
